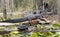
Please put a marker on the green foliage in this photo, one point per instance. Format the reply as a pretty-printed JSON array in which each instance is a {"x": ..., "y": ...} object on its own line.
[
  {"x": 39, "y": 34},
  {"x": 57, "y": 24},
  {"x": 33, "y": 34},
  {"x": 14, "y": 32},
  {"x": 1, "y": 28},
  {"x": 10, "y": 27}
]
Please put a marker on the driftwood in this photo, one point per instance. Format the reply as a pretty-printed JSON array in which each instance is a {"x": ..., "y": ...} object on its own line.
[
  {"x": 26, "y": 30},
  {"x": 8, "y": 24}
]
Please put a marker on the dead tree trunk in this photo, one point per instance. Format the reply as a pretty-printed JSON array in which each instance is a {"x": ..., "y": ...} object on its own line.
[
  {"x": 40, "y": 5},
  {"x": 3, "y": 8}
]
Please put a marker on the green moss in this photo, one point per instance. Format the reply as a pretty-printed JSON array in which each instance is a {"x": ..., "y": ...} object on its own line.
[
  {"x": 14, "y": 32},
  {"x": 56, "y": 24},
  {"x": 11, "y": 26},
  {"x": 1, "y": 28}
]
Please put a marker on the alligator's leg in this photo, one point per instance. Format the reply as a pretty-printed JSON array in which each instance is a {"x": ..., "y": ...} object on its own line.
[
  {"x": 30, "y": 21},
  {"x": 42, "y": 18}
]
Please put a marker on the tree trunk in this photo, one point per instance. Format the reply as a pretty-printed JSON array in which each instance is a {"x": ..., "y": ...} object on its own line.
[{"x": 3, "y": 8}]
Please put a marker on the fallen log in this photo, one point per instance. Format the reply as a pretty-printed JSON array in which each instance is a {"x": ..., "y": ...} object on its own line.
[{"x": 8, "y": 24}]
